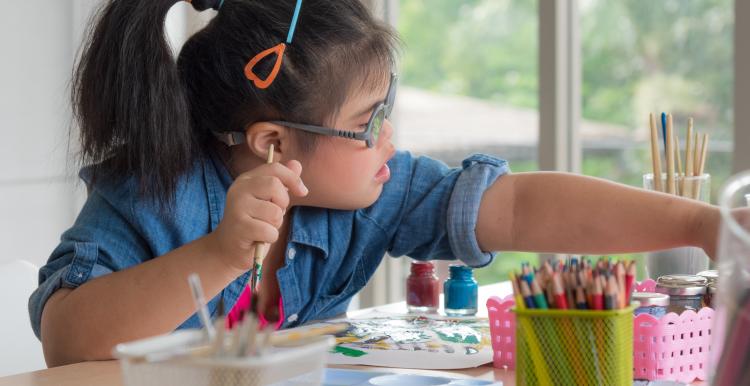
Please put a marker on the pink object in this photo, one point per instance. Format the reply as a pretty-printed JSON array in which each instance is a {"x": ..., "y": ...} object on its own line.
[
  {"x": 243, "y": 303},
  {"x": 675, "y": 347},
  {"x": 502, "y": 331}
]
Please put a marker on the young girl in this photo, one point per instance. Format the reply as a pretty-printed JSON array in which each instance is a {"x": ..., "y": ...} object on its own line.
[{"x": 178, "y": 181}]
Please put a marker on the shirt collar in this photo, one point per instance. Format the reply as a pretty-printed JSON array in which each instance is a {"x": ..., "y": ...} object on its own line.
[
  {"x": 310, "y": 227},
  {"x": 218, "y": 180},
  {"x": 309, "y": 224}
]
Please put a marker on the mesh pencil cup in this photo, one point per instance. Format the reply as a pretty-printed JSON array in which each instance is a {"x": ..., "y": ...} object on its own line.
[
  {"x": 574, "y": 347},
  {"x": 682, "y": 260}
]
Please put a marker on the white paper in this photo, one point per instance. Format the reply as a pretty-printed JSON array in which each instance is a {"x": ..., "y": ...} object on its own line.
[{"x": 415, "y": 342}]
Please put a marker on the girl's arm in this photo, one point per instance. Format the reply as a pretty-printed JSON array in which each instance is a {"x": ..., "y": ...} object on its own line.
[
  {"x": 153, "y": 297},
  {"x": 567, "y": 213}
]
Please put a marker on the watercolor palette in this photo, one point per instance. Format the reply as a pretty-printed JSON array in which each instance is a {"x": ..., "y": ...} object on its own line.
[{"x": 340, "y": 377}]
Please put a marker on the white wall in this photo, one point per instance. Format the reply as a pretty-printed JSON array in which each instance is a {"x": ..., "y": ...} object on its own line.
[
  {"x": 38, "y": 197},
  {"x": 40, "y": 194}
]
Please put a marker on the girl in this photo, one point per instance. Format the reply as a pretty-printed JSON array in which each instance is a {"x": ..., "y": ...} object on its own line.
[{"x": 178, "y": 182}]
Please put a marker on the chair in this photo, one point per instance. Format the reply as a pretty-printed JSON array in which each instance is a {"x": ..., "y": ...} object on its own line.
[{"x": 20, "y": 350}]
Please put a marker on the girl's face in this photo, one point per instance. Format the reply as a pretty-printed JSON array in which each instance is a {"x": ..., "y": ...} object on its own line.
[{"x": 345, "y": 174}]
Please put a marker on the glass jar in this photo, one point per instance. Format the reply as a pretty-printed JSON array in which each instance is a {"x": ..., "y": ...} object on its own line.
[
  {"x": 461, "y": 292},
  {"x": 422, "y": 288},
  {"x": 711, "y": 286},
  {"x": 651, "y": 303},
  {"x": 685, "y": 291},
  {"x": 710, "y": 298}
]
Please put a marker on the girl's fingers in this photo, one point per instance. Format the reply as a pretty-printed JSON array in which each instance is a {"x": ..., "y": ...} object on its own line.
[
  {"x": 265, "y": 211},
  {"x": 289, "y": 177}
]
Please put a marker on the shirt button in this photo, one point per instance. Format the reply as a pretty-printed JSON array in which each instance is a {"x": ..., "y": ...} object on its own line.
[
  {"x": 291, "y": 253},
  {"x": 292, "y": 318}
]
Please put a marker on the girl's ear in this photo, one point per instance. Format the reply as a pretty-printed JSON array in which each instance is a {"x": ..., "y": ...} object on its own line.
[{"x": 260, "y": 135}]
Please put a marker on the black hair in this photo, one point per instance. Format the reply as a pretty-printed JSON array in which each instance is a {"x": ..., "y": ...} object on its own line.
[{"x": 144, "y": 115}]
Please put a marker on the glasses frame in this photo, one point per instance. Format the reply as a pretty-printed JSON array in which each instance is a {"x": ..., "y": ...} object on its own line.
[{"x": 370, "y": 136}]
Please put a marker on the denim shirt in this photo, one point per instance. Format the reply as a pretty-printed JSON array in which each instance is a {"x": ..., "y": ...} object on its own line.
[{"x": 426, "y": 211}]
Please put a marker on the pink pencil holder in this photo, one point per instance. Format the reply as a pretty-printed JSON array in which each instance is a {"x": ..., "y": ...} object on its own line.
[
  {"x": 675, "y": 347},
  {"x": 502, "y": 331}
]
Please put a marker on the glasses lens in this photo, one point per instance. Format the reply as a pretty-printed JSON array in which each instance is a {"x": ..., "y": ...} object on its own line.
[{"x": 376, "y": 124}]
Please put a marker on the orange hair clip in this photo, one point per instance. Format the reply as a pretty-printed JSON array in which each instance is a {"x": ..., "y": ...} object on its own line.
[{"x": 278, "y": 49}]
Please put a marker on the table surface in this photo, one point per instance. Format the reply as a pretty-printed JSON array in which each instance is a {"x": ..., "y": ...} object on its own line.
[{"x": 107, "y": 373}]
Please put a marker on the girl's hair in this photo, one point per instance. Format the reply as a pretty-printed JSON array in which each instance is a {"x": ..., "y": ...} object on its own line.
[{"x": 143, "y": 115}]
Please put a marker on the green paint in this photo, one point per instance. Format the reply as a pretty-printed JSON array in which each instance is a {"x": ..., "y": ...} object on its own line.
[
  {"x": 457, "y": 338},
  {"x": 350, "y": 352}
]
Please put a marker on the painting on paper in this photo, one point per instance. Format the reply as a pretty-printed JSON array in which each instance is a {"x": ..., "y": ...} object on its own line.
[{"x": 415, "y": 342}]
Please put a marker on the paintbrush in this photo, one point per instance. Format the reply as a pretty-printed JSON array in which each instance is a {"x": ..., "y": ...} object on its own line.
[{"x": 259, "y": 256}]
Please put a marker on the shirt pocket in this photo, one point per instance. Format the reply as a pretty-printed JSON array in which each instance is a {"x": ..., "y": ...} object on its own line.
[{"x": 342, "y": 292}]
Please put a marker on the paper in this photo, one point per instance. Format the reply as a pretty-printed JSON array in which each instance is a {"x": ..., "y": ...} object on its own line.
[{"x": 415, "y": 342}]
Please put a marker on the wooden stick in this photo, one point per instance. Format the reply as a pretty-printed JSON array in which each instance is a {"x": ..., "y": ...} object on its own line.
[
  {"x": 259, "y": 247},
  {"x": 670, "y": 156},
  {"x": 687, "y": 187},
  {"x": 681, "y": 186},
  {"x": 696, "y": 154},
  {"x": 655, "y": 156},
  {"x": 702, "y": 165}
]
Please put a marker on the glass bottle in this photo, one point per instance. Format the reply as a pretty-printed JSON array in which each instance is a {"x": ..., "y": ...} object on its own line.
[
  {"x": 422, "y": 288},
  {"x": 461, "y": 292}
]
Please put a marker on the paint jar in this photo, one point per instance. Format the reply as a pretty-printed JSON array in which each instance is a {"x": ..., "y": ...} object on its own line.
[
  {"x": 422, "y": 288},
  {"x": 461, "y": 292},
  {"x": 651, "y": 303},
  {"x": 685, "y": 291}
]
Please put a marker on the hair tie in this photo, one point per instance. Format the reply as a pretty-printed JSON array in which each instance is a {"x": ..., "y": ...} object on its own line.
[{"x": 278, "y": 49}]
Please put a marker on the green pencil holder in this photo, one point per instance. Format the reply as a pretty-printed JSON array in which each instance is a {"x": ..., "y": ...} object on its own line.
[{"x": 574, "y": 347}]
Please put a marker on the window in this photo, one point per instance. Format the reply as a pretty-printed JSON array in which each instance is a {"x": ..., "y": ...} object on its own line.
[
  {"x": 469, "y": 84},
  {"x": 639, "y": 57}
]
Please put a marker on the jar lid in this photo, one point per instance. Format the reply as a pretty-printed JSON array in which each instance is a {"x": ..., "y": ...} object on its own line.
[
  {"x": 422, "y": 267},
  {"x": 711, "y": 275},
  {"x": 681, "y": 284},
  {"x": 648, "y": 299},
  {"x": 461, "y": 271}
]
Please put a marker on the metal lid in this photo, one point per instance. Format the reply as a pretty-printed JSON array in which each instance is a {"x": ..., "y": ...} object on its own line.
[
  {"x": 649, "y": 299},
  {"x": 681, "y": 285},
  {"x": 711, "y": 275}
]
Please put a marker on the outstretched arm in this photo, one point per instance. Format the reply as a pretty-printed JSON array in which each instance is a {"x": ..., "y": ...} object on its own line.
[{"x": 568, "y": 213}]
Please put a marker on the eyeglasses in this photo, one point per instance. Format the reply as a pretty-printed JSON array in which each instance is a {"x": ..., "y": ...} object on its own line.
[{"x": 374, "y": 125}]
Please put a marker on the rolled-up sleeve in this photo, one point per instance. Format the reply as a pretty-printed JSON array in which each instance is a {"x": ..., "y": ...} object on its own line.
[
  {"x": 438, "y": 207},
  {"x": 479, "y": 173},
  {"x": 100, "y": 242}
]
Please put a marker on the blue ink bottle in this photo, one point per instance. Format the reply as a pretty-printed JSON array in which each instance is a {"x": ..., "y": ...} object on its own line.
[{"x": 461, "y": 292}]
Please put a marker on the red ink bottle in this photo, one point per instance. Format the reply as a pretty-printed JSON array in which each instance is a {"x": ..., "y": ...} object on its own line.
[{"x": 422, "y": 288}]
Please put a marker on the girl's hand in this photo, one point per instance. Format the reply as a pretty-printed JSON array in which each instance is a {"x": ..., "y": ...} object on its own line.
[{"x": 255, "y": 208}]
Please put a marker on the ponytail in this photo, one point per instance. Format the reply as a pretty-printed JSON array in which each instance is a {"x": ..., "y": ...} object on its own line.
[{"x": 130, "y": 101}]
